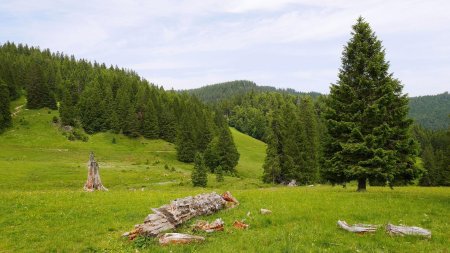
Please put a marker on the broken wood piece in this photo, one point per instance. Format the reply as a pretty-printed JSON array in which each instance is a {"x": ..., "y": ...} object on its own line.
[
  {"x": 265, "y": 211},
  {"x": 357, "y": 228},
  {"x": 178, "y": 211},
  {"x": 404, "y": 230},
  {"x": 216, "y": 225},
  {"x": 177, "y": 238},
  {"x": 240, "y": 225},
  {"x": 231, "y": 201}
]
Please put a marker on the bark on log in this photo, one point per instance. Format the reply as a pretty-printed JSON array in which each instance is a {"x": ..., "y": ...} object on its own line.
[
  {"x": 357, "y": 228},
  {"x": 240, "y": 224},
  {"x": 93, "y": 180},
  {"x": 404, "y": 230},
  {"x": 178, "y": 211},
  {"x": 176, "y": 238}
]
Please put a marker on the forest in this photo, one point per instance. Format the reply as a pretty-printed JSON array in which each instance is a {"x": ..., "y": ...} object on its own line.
[{"x": 94, "y": 98}]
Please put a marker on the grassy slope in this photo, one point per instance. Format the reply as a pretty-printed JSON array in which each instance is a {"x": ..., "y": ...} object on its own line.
[
  {"x": 252, "y": 153},
  {"x": 44, "y": 209}
]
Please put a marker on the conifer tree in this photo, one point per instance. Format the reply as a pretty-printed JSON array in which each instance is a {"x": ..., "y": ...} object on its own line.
[
  {"x": 367, "y": 118},
  {"x": 149, "y": 126},
  {"x": 211, "y": 156},
  {"x": 226, "y": 149},
  {"x": 199, "y": 174},
  {"x": 185, "y": 140},
  {"x": 310, "y": 143},
  {"x": 5, "y": 114},
  {"x": 272, "y": 163},
  {"x": 219, "y": 174}
]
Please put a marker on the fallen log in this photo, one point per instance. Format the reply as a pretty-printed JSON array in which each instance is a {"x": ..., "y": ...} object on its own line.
[
  {"x": 178, "y": 211},
  {"x": 176, "y": 238},
  {"x": 216, "y": 225},
  {"x": 357, "y": 228},
  {"x": 404, "y": 230}
]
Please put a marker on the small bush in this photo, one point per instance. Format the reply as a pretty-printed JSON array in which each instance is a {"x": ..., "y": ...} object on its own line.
[
  {"x": 55, "y": 119},
  {"x": 113, "y": 140}
]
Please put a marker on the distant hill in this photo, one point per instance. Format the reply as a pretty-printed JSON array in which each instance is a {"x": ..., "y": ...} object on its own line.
[
  {"x": 431, "y": 112},
  {"x": 220, "y": 91}
]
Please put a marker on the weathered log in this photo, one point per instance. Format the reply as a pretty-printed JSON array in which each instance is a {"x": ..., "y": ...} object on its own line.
[
  {"x": 404, "y": 230},
  {"x": 176, "y": 238},
  {"x": 178, "y": 211},
  {"x": 216, "y": 225},
  {"x": 357, "y": 228},
  {"x": 93, "y": 180}
]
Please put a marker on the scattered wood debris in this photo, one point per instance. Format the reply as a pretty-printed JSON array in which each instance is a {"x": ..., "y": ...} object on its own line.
[
  {"x": 240, "y": 225},
  {"x": 404, "y": 230},
  {"x": 265, "y": 211},
  {"x": 357, "y": 228},
  {"x": 216, "y": 225},
  {"x": 177, "y": 238},
  {"x": 178, "y": 211}
]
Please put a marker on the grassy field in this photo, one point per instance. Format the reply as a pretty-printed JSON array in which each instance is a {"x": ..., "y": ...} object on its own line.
[{"x": 44, "y": 209}]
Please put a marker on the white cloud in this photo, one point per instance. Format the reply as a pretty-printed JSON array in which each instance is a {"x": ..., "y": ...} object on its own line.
[{"x": 195, "y": 42}]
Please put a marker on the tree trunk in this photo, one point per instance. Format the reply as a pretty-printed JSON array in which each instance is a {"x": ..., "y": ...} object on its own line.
[
  {"x": 93, "y": 180},
  {"x": 362, "y": 184},
  {"x": 180, "y": 210}
]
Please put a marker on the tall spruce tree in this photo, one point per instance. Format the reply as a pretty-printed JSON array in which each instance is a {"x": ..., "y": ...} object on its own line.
[
  {"x": 274, "y": 151},
  {"x": 185, "y": 141},
  {"x": 199, "y": 174},
  {"x": 367, "y": 118},
  {"x": 5, "y": 114}
]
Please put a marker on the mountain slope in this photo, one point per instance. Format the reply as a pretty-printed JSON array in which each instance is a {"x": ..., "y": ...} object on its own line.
[
  {"x": 220, "y": 91},
  {"x": 431, "y": 112}
]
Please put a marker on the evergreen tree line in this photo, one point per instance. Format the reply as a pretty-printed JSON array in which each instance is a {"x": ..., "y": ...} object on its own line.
[
  {"x": 291, "y": 127},
  {"x": 435, "y": 155},
  {"x": 98, "y": 98}
]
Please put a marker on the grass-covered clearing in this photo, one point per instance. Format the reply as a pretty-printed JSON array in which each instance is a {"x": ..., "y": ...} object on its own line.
[{"x": 44, "y": 209}]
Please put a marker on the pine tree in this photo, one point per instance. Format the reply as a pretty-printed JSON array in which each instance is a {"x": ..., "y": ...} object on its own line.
[
  {"x": 226, "y": 149},
  {"x": 310, "y": 143},
  {"x": 5, "y": 114},
  {"x": 199, "y": 174},
  {"x": 219, "y": 174},
  {"x": 185, "y": 140},
  {"x": 211, "y": 156},
  {"x": 149, "y": 126},
  {"x": 367, "y": 118},
  {"x": 272, "y": 163}
]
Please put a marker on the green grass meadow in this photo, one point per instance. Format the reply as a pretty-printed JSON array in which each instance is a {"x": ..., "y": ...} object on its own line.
[{"x": 43, "y": 207}]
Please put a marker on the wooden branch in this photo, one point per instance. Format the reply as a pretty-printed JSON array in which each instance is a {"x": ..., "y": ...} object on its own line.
[
  {"x": 357, "y": 228},
  {"x": 404, "y": 230},
  {"x": 178, "y": 211},
  {"x": 176, "y": 238},
  {"x": 240, "y": 224}
]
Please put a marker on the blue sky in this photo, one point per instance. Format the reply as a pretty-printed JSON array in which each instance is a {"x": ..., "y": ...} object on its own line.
[{"x": 284, "y": 43}]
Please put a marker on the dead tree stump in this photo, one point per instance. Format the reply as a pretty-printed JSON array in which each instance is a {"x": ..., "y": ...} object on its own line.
[{"x": 93, "y": 180}]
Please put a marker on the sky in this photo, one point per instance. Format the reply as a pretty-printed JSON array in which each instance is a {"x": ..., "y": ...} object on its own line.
[{"x": 284, "y": 43}]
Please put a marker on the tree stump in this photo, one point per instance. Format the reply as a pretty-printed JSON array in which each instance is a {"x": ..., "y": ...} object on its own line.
[
  {"x": 178, "y": 211},
  {"x": 93, "y": 180}
]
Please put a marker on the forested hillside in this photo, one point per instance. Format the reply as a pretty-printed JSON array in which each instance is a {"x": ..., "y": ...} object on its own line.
[
  {"x": 221, "y": 91},
  {"x": 431, "y": 112},
  {"x": 92, "y": 97}
]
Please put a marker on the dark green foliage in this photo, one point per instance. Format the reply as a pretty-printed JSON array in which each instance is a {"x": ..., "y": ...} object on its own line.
[
  {"x": 272, "y": 163},
  {"x": 113, "y": 141},
  {"x": 431, "y": 111},
  {"x": 226, "y": 149},
  {"x": 199, "y": 174},
  {"x": 367, "y": 118},
  {"x": 219, "y": 174},
  {"x": 212, "y": 159},
  {"x": 186, "y": 149},
  {"x": 223, "y": 91},
  {"x": 96, "y": 98},
  {"x": 435, "y": 155},
  {"x": 5, "y": 114},
  {"x": 40, "y": 87}
]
